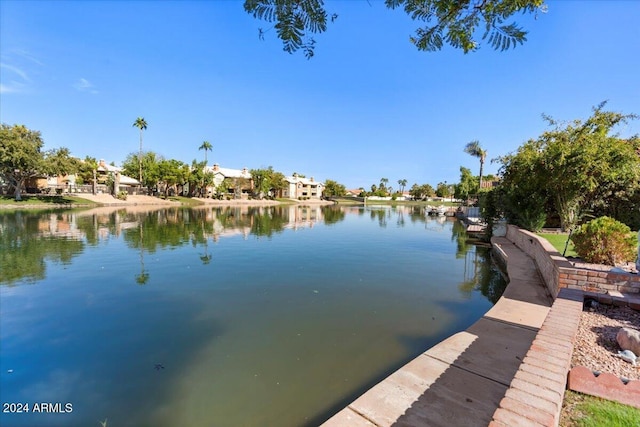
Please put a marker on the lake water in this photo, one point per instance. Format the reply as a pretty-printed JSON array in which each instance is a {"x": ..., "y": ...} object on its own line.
[{"x": 274, "y": 316}]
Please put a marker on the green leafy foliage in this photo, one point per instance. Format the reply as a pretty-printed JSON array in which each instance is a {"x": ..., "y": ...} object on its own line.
[
  {"x": 22, "y": 157},
  {"x": 605, "y": 241},
  {"x": 574, "y": 169},
  {"x": 294, "y": 19},
  {"x": 86, "y": 170},
  {"x": 172, "y": 173},
  {"x": 456, "y": 23},
  {"x": 467, "y": 186},
  {"x": 444, "y": 190},
  {"x": 198, "y": 178},
  {"x": 267, "y": 182},
  {"x": 150, "y": 168},
  {"x": 333, "y": 188},
  {"x": 420, "y": 192}
]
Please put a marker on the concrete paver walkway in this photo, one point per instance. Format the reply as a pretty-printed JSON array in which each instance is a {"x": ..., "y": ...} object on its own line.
[{"x": 462, "y": 380}]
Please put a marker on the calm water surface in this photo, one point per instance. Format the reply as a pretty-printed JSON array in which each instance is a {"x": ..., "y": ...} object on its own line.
[{"x": 273, "y": 316}]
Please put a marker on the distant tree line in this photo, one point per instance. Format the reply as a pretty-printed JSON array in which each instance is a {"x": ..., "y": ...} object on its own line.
[{"x": 571, "y": 173}]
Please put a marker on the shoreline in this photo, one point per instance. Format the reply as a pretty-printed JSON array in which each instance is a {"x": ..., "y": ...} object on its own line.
[{"x": 107, "y": 200}]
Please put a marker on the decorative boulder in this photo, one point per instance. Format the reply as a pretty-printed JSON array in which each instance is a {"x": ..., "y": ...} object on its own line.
[{"x": 629, "y": 339}]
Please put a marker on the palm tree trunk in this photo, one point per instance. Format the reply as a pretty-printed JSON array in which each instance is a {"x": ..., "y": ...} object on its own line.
[{"x": 140, "y": 159}]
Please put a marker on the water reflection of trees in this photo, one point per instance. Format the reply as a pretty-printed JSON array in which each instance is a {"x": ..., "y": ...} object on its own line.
[
  {"x": 459, "y": 235},
  {"x": 483, "y": 275},
  {"x": 381, "y": 215},
  {"x": 29, "y": 239},
  {"x": 333, "y": 214}
]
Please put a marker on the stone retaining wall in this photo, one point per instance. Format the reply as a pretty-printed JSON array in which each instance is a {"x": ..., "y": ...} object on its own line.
[{"x": 559, "y": 273}]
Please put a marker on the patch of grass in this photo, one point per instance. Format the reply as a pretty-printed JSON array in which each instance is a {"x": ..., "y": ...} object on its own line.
[
  {"x": 581, "y": 410},
  {"x": 285, "y": 201},
  {"x": 348, "y": 202},
  {"x": 187, "y": 201},
  {"x": 28, "y": 200},
  {"x": 558, "y": 240}
]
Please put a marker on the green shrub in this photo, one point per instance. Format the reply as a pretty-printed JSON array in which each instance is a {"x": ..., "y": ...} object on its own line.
[
  {"x": 605, "y": 241},
  {"x": 532, "y": 219},
  {"x": 122, "y": 195}
]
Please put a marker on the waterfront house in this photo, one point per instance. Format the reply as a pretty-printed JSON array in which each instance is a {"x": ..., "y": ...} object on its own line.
[
  {"x": 355, "y": 192},
  {"x": 302, "y": 188},
  {"x": 125, "y": 183},
  {"x": 236, "y": 183}
]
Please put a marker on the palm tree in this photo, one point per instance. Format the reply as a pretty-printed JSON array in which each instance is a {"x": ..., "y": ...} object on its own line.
[
  {"x": 206, "y": 146},
  {"x": 141, "y": 124},
  {"x": 402, "y": 183},
  {"x": 475, "y": 149}
]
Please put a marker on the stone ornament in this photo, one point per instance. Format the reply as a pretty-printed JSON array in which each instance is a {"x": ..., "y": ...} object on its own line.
[{"x": 629, "y": 339}]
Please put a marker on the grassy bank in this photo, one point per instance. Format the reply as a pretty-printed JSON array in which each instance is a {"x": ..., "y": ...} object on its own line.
[
  {"x": 559, "y": 240},
  {"x": 186, "y": 201},
  {"x": 581, "y": 410},
  {"x": 39, "y": 200}
]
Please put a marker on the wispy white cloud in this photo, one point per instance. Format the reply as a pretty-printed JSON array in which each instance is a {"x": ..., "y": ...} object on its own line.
[
  {"x": 15, "y": 70},
  {"x": 26, "y": 55},
  {"x": 14, "y": 79},
  {"x": 84, "y": 85}
]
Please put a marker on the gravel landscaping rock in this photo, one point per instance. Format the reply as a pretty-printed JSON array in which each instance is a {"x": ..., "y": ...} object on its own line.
[{"x": 596, "y": 346}]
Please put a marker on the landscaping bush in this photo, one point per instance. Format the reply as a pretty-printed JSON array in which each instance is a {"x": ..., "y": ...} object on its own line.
[
  {"x": 122, "y": 195},
  {"x": 605, "y": 241}
]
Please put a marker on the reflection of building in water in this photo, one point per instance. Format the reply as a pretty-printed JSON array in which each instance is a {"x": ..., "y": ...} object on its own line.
[
  {"x": 103, "y": 224},
  {"x": 303, "y": 216},
  {"x": 219, "y": 231},
  {"x": 60, "y": 225},
  {"x": 241, "y": 220}
]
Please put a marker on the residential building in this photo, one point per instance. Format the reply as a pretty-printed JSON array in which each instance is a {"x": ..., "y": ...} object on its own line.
[
  {"x": 238, "y": 182},
  {"x": 302, "y": 188},
  {"x": 125, "y": 183}
]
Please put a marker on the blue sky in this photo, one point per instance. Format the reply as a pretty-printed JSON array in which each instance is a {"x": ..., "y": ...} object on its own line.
[{"x": 368, "y": 104}]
